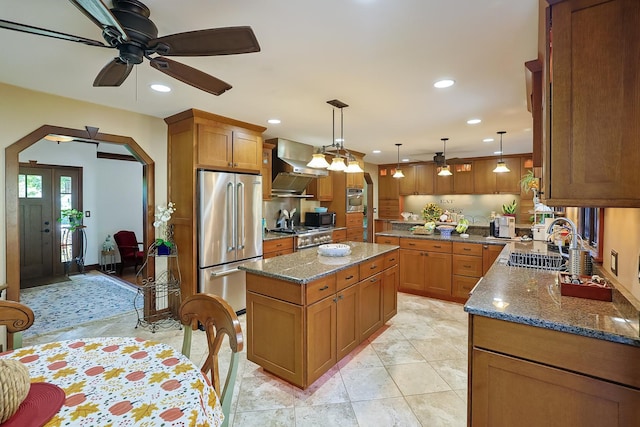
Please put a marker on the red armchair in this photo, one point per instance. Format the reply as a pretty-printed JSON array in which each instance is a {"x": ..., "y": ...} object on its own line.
[{"x": 129, "y": 248}]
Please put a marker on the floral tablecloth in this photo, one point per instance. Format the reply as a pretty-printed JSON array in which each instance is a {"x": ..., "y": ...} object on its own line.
[{"x": 122, "y": 382}]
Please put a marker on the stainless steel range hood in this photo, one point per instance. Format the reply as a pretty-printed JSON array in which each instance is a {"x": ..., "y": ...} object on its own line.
[{"x": 290, "y": 172}]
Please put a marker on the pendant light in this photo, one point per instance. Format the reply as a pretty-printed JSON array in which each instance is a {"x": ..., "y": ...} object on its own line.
[
  {"x": 444, "y": 170},
  {"x": 501, "y": 167},
  {"x": 318, "y": 161},
  {"x": 398, "y": 173}
]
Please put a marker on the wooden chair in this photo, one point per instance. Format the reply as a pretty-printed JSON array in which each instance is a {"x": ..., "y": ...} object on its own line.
[
  {"x": 16, "y": 317},
  {"x": 129, "y": 248},
  {"x": 218, "y": 319}
]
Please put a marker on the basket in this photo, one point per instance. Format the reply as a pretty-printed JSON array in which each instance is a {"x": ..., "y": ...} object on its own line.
[
  {"x": 14, "y": 387},
  {"x": 421, "y": 230}
]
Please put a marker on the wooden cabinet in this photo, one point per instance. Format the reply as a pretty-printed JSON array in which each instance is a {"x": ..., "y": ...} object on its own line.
[
  {"x": 356, "y": 180},
  {"x": 355, "y": 229},
  {"x": 389, "y": 209},
  {"x": 443, "y": 184},
  {"x": 488, "y": 182},
  {"x": 321, "y": 188},
  {"x": 418, "y": 179},
  {"x": 390, "y": 283},
  {"x": 462, "y": 177},
  {"x": 520, "y": 372},
  {"x": 425, "y": 267},
  {"x": 339, "y": 235},
  {"x": 467, "y": 268},
  {"x": 276, "y": 247},
  {"x": 388, "y": 240},
  {"x": 197, "y": 139},
  {"x": 323, "y": 320},
  {"x": 592, "y": 81},
  {"x": 267, "y": 163},
  {"x": 489, "y": 255}
]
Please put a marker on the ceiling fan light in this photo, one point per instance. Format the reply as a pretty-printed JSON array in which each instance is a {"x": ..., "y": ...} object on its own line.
[
  {"x": 58, "y": 138},
  {"x": 318, "y": 162},
  {"x": 501, "y": 168},
  {"x": 398, "y": 174},
  {"x": 337, "y": 165},
  {"x": 445, "y": 171}
]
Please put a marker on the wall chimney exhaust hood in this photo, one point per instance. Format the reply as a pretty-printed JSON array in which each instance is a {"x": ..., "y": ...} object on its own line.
[{"x": 290, "y": 172}]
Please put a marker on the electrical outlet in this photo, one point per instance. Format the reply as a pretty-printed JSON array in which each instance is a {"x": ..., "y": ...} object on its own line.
[
  {"x": 614, "y": 262},
  {"x": 87, "y": 214}
]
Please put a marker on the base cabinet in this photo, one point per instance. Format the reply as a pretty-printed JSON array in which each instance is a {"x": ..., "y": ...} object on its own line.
[
  {"x": 523, "y": 375},
  {"x": 430, "y": 267},
  {"x": 298, "y": 332}
]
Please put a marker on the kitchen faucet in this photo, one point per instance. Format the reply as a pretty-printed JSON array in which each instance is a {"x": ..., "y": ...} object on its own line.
[{"x": 574, "y": 231}]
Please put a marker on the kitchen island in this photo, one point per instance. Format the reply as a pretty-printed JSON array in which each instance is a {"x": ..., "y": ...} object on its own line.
[
  {"x": 305, "y": 312},
  {"x": 539, "y": 358}
]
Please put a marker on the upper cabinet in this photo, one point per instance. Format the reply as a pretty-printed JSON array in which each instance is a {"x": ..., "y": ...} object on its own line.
[
  {"x": 592, "y": 103},
  {"x": 418, "y": 179},
  {"x": 356, "y": 180},
  {"x": 488, "y": 182}
]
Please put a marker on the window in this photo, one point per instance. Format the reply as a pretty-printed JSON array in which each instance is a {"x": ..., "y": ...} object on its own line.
[
  {"x": 590, "y": 223},
  {"x": 66, "y": 236},
  {"x": 29, "y": 186}
]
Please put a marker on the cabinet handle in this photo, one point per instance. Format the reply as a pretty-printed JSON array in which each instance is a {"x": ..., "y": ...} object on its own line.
[
  {"x": 278, "y": 245},
  {"x": 372, "y": 280},
  {"x": 426, "y": 254},
  {"x": 349, "y": 277},
  {"x": 373, "y": 267},
  {"x": 412, "y": 244},
  {"x": 466, "y": 249},
  {"x": 485, "y": 246},
  {"x": 392, "y": 259},
  {"x": 437, "y": 246},
  {"x": 335, "y": 300},
  {"x": 466, "y": 266},
  {"x": 340, "y": 296},
  {"x": 324, "y": 288}
]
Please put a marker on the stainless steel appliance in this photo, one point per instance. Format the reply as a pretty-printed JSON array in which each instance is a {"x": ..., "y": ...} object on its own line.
[
  {"x": 506, "y": 227},
  {"x": 355, "y": 200},
  {"x": 229, "y": 232},
  {"x": 319, "y": 219},
  {"x": 290, "y": 172},
  {"x": 308, "y": 237}
]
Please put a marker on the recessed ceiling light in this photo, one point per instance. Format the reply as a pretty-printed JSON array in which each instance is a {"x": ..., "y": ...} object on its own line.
[
  {"x": 441, "y": 84},
  {"x": 376, "y": 151},
  {"x": 274, "y": 121},
  {"x": 487, "y": 140},
  {"x": 473, "y": 121},
  {"x": 497, "y": 152},
  {"x": 405, "y": 160},
  {"x": 160, "y": 88}
]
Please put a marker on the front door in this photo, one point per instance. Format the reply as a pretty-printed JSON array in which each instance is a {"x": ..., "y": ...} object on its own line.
[{"x": 42, "y": 192}]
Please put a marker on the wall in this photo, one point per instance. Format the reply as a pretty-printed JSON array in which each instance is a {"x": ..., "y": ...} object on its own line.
[
  {"x": 112, "y": 190},
  {"x": 476, "y": 208},
  {"x": 22, "y": 111},
  {"x": 622, "y": 234}
]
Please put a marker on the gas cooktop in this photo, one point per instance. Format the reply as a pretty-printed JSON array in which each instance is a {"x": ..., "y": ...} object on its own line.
[{"x": 300, "y": 229}]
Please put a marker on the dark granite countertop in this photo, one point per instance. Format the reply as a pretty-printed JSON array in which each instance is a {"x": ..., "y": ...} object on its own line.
[
  {"x": 473, "y": 238},
  {"x": 531, "y": 297},
  {"x": 306, "y": 265}
]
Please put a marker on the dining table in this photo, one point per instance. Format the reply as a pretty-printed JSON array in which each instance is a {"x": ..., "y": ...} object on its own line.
[{"x": 122, "y": 381}]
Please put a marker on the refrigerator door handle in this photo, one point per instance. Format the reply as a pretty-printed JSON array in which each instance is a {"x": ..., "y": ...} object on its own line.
[
  {"x": 241, "y": 238},
  {"x": 231, "y": 234},
  {"x": 224, "y": 273}
]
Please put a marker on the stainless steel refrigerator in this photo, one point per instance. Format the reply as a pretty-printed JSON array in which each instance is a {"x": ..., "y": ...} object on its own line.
[{"x": 229, "y": 232}]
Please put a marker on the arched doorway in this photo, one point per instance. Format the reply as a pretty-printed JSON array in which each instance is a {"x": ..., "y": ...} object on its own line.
[{"x": 11, "y": 191}]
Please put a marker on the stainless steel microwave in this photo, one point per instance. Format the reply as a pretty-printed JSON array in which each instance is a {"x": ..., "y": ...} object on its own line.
[{"x": 355, "y": 200}]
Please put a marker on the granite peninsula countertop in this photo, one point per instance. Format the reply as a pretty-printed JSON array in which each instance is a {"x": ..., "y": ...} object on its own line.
[
  {"x": 306, "y": 265},
  {"x": 473, "y": 238},
  {"x": 531, "y": 297}
]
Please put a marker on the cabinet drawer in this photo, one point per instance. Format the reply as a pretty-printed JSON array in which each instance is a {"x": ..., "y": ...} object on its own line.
[
  {"x": 426, "y": 245},
  {"x": 268, "y": 255},
  {"x": 387, "y": 240},
  {"x": 371, "y": 267},
  {"x": 355, "y": 234},
  {"x": 348, "y": 277},
  {"x": 462, "y": 285},
  {"x": 390, "y": 259},
  {"x": 474, "y": 249},
  {"x": 465, "y": 265},
  {"x": 354, "y": 220},
  {"x": 339, "y": 235},
  {"x": 319, "y": 289},
  {"x": 277, "y": 244}
]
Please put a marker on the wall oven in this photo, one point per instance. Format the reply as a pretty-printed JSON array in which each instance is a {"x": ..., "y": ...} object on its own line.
[{"x": 355, "y": 200}]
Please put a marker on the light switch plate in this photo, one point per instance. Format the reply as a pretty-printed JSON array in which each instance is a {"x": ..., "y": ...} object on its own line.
[{"x": 614, "y": 262}]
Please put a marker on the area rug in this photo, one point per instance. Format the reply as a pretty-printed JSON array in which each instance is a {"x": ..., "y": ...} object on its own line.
[{"x": 85, "y": 298}]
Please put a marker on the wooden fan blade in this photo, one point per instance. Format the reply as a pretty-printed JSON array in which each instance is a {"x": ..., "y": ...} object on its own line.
[
  {"x": 211, "y": 42},
  {"x": 48, "y": 33},
  {"x": 113, "y": 74},
  {"x": 100, "y": 14},
  {"x": 190, "y": 76}
]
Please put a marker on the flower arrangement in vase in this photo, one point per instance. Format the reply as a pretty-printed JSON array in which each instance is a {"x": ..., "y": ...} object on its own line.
[{"x": 164, "y": 243}]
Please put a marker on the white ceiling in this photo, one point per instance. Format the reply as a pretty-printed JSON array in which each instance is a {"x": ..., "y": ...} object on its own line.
[{"x": 379, "y": 56}]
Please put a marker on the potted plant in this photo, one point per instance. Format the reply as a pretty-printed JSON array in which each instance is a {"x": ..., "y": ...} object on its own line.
[
  {"x": 510, "y": 209},
  {"x": 72, "y": 217},
  {"x": 163, "y": 244}
]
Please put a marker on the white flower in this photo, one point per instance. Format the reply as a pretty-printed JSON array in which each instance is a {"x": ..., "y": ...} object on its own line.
[{"x": 163, "y": 216}]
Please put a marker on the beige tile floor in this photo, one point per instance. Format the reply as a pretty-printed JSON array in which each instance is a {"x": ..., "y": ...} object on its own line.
[{"x": 412, "y": 373}]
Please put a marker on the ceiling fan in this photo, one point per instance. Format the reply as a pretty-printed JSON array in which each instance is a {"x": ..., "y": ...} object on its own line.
[{"x": 127, "y": 27}]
